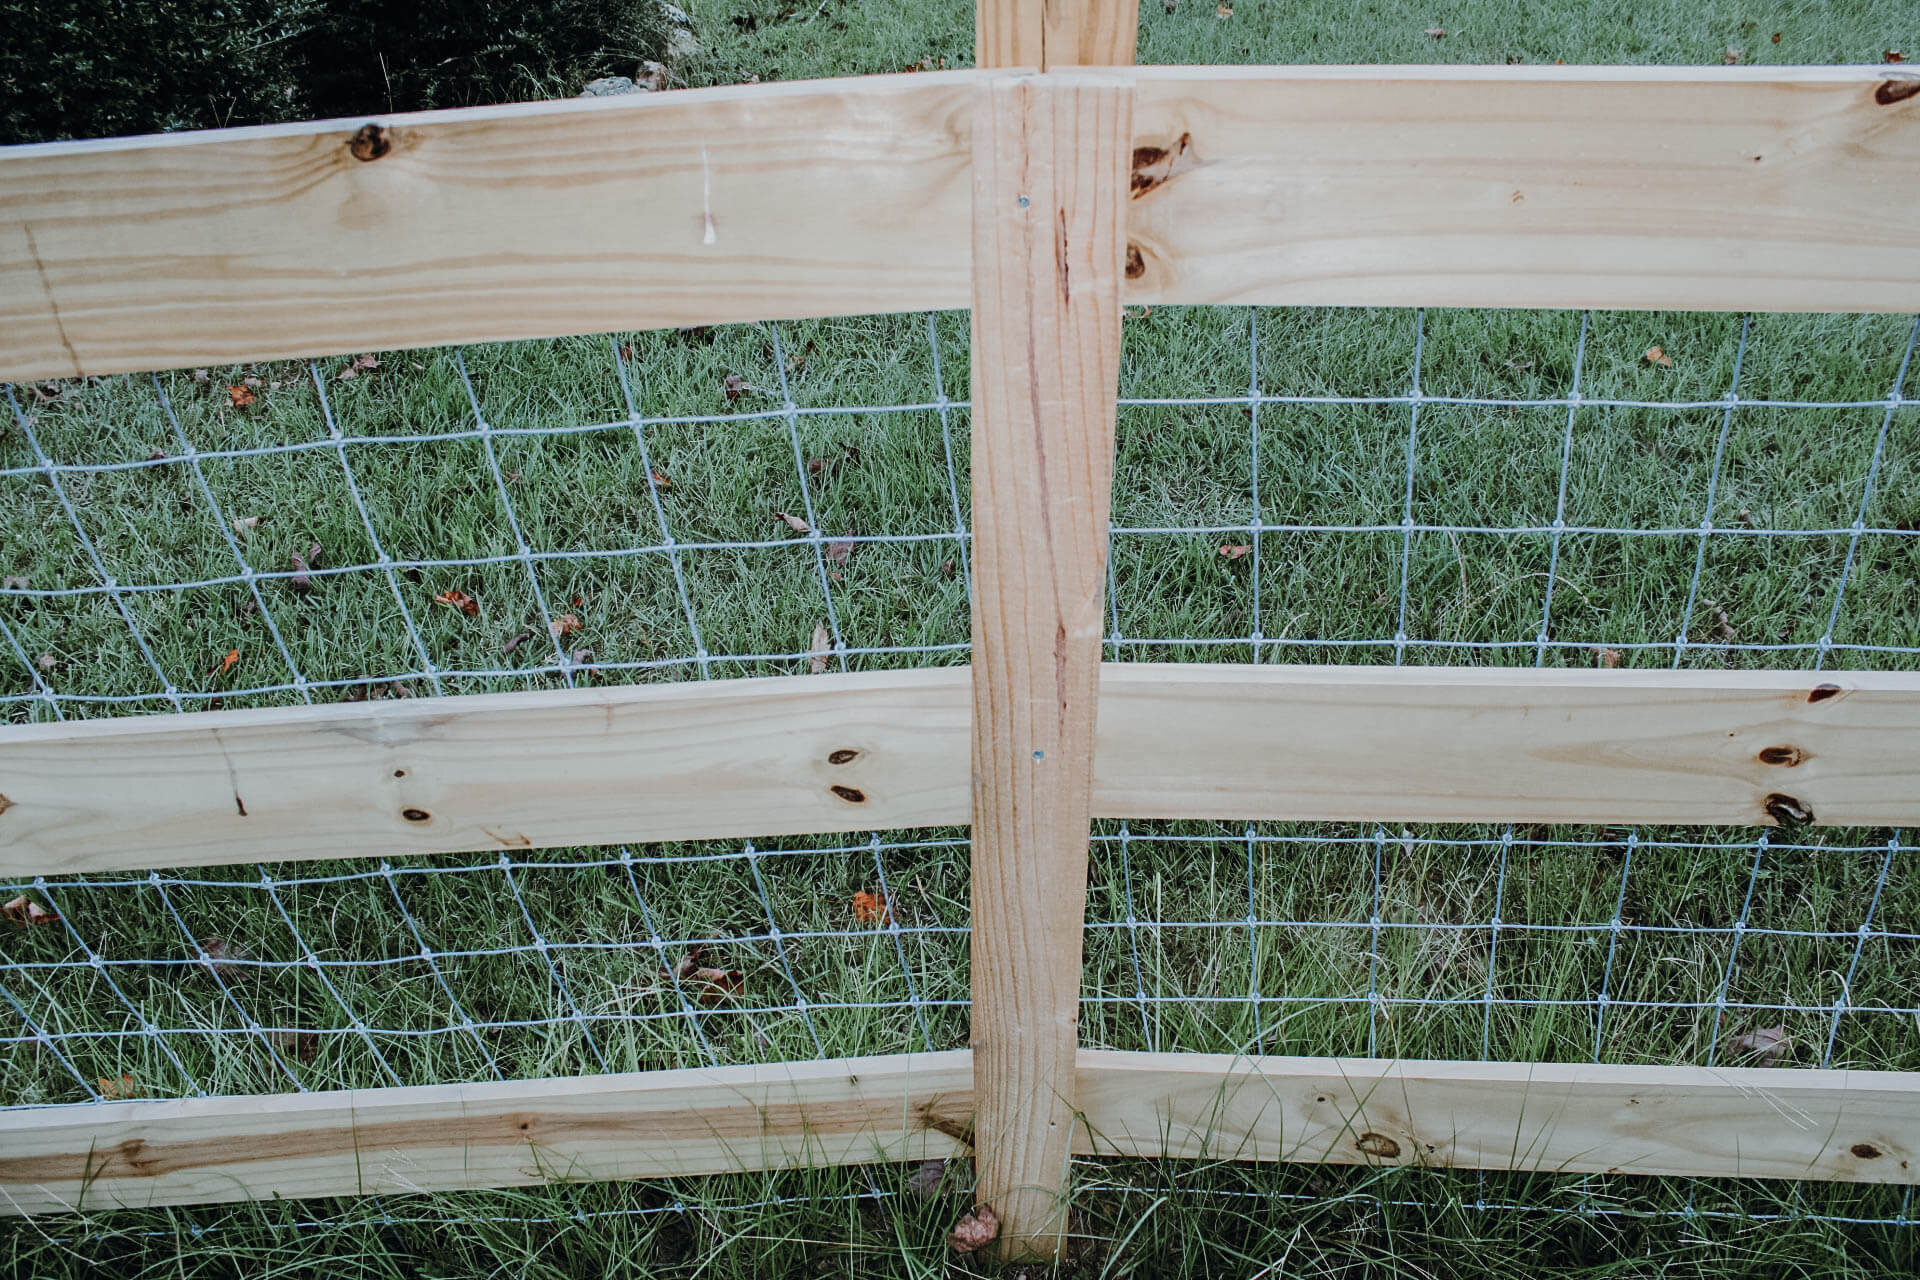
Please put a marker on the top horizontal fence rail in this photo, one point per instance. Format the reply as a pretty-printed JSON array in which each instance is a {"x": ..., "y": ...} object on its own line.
[{"x": 1617, "y": 187}]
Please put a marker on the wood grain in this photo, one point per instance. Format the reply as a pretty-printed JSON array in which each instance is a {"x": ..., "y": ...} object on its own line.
[
  {"x": 1846, "y": 1126},
  {"x": 1719, "y": 1122},
  {"x": 1049, "y": 198},
  {"x": 1485, "y": 744},
  {"x": 1047, "y": 34},
  {"x": 751, "y": 202},
  {"x": 487, "y": 771},
  {"x": 1699, "y": 188},
  {"x": 761, "y": 757},
  {"x": 514, "y": 1133}
]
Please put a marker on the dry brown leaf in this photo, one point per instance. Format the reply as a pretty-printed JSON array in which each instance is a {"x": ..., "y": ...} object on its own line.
[
  {"x": 47, "y": 662},
  {"x": 203, "y": 376},
  {"x": 1223, "y": 11},
  {"x": 1608, "y": 658},
  {"x": 840, "y": 552},
  {"x": 301, "y": 1044},
  {"x": 946, "y": 568},
  {"x": 1732, "y": 57},
  {"x": 48, "y": 392},
  {"x": 734, "y": 385},
  {"x": 1234, "y": 550},
  {"x": 711, "y": 985},
  {"x": 564, "y": 625},
  {"x": 116, "y": 1089},
  {"x": 299, "y": 581},
  {"x": 515, "y": 643},
  {"x": 869, "y": 908},
  {"x": 660, "y": 481},
  {"x": 822, "y": 649},
  {"x": 221, "y": 952},
  {"x": 1891, "y": 55},
  {"x": 27, "y": 913},
  {"x": 459, "y": 600},
  {"x": 359, "y": 365},
  {"x": 246, "y": 524},
  {"x": 793, "y": 522},
  {"x": 13, "y": 582},
  {"x": 978, "y": 1226},
  {"x": 1656, "y": 356},
  {"x": 241, "y": 395},
  {"x": 1436, "y": 33},
  {"x": 924, "y": 1183},
  {"x": 1765, "y": 1047}
]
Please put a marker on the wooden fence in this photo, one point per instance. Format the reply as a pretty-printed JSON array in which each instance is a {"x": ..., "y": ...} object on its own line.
[{"x": 1043, "y": 198}]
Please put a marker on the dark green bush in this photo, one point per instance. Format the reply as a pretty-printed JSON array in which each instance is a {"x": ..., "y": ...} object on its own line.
[
  {"x": 375, "y": 55},
  {"x": 95, "y": 68}
]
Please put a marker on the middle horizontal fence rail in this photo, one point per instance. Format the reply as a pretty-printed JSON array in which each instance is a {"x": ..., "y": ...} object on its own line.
[
  {"x": 1770, "y": 189},
  {"x": 813, "y": 754}
]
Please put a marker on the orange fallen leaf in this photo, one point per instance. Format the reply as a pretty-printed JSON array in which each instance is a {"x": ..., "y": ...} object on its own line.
[
  {"x": 459, "y": 600},
  {"x": 1656, "y": 356},
  {"x": 241, "y": 396},
  {"x": 1891, "y": 55},
  {"x": 1234, "y": 550},
  {"x": 27, "y": 913},
  {"x": 871, "y": 907},
  {"x": 1608, "y": 658},
  {"x": 564, "y": 625},
  {"x": 226, "y": 663},
  {"x": 793, "y": 522},
  {"x": 114, "y": 1090},
  {"x": 1223, "y": 11},
  {"x": 660, "y": 481}
]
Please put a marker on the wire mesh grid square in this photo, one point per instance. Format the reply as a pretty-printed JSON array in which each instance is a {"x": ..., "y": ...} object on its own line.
[{"x": 1551, "y": 489}]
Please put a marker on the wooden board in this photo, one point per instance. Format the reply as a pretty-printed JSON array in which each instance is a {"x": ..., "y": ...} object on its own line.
[
  {"x": 782, "y": 755},
  {"x": 1482, "y": 744},
  {"x": 1698, "y": 188},
  {"x": 517, "y": 1133},
  {"x": 1715, "y": 1122},
  {"x": 745, "y": 203},
  {"x": 758, "y": 757},
  {"x": 1438, "y": 186},
  {"x": 1848, "y": 1126},
  {"x": 1048, "y": 34},
  {"x": 1049, "y": 203}
]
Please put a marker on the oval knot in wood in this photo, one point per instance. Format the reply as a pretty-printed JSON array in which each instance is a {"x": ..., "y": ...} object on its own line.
[
  {"x": 852, "y": 795},
  {"x": 1785, "y": 757},
  {"x": 1866, "y": 1151},
  {"x": 369, "y": 142},
  {"x": 1378, "y": 1144}
]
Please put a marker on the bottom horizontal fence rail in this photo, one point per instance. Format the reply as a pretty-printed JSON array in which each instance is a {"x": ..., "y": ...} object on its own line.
[{"x": 1851, "y": 1126}]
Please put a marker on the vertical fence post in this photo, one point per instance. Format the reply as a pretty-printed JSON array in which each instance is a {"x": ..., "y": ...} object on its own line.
[
  {"x": 1049, "y": 204},
  {"x": 1045, "y": 34}
]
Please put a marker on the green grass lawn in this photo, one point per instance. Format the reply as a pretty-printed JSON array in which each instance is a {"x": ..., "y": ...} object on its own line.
[{"x": 598, "y": 450}]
